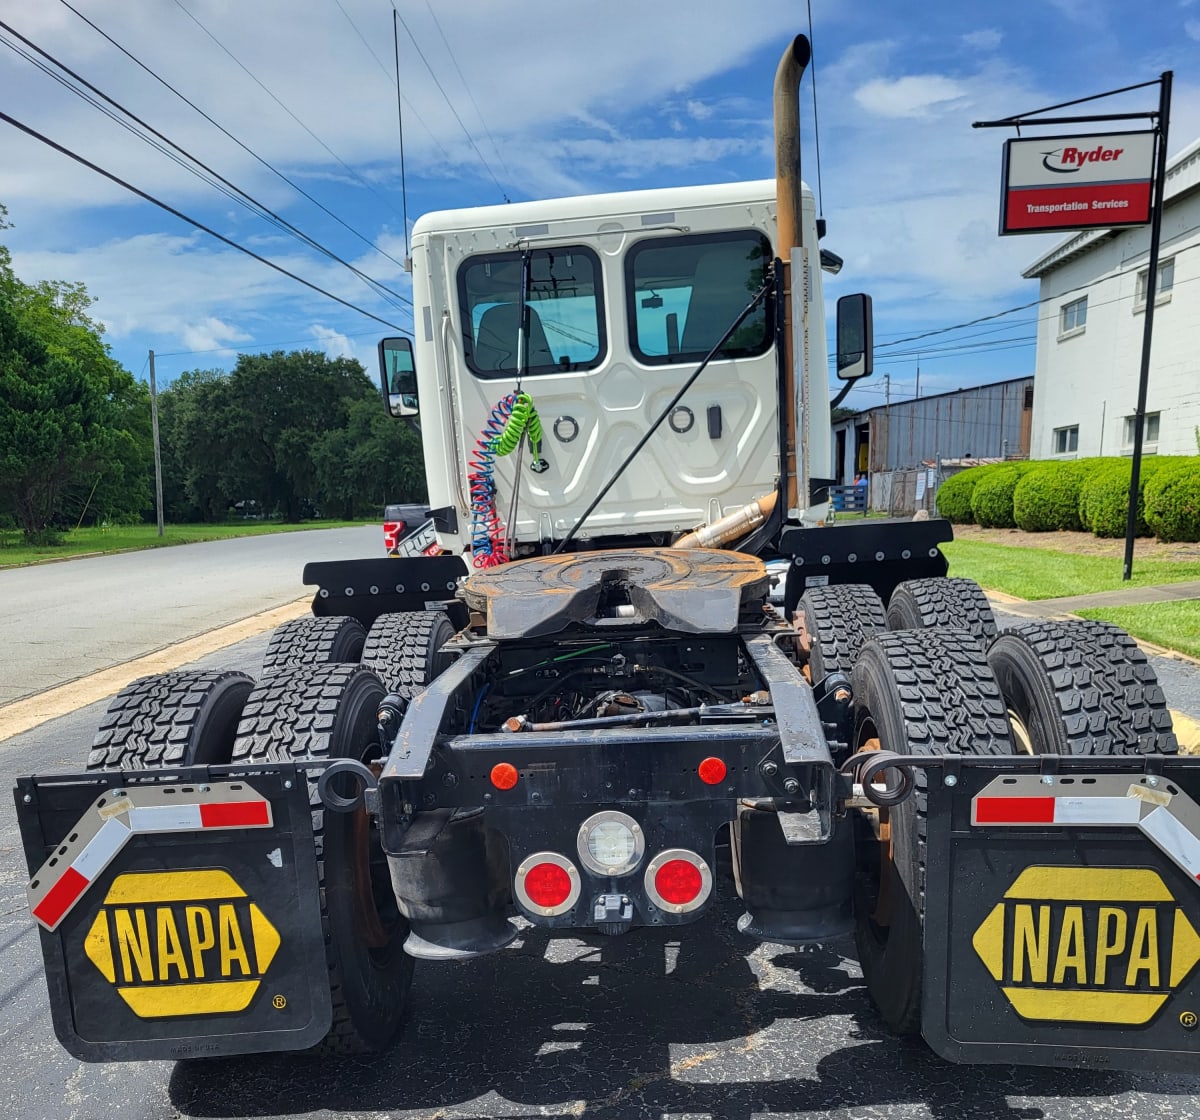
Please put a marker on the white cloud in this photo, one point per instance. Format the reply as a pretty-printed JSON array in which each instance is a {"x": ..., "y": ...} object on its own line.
[
  {"x": 211, "y": 334},
  {"x": 912, "y": 96},
  {"x": 986, "y": 39},
  {"x": 1192, "y": 27},
  {"x": 699, "y": 111}
]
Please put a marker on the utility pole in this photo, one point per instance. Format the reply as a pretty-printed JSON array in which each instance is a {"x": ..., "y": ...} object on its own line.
[
  {"x": 158, "y": 501},
  {"x": 887, "y": 426}
]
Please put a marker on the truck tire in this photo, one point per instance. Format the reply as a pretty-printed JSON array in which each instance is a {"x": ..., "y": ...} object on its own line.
[
  {"x": 1081, "y": 688},
  {"x": 838, "y": 620},
  {"x": 916, "y": 692},
  {"x": 182, "y": 718},
  {"x": 326, "y": 712},
  {"x": 404, "y": 649},
  {"x": 957, "y": 604},
  {"x": 334, "y": 639}
]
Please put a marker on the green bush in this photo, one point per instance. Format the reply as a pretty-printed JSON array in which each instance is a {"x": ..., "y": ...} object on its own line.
[
  {"x": 1171, "y": 498},
  {"x": 1104, "y": 496},
  {"x": 954, "y": 496},
  {"x": 992, "y": 498},
  {"x": 1047, "y": 498}
]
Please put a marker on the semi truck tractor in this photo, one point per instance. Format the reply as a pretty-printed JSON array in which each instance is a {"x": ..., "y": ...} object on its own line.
[{"x": 585, "y": 712}]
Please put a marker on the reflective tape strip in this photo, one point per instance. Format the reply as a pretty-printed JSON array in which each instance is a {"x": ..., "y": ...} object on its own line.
[
  {"x": 101, "y": 849},
  {"x": 114, "y": 833},
  {"x": 1174, "y": 840},
  {"x": 165, "y": 818},
  {"x": 1058, "y": 810},
  {"x": 236, "y": 814},
  {"x": 1014, "y": 810},
  {"x": 63, "y": 895},
  {"x": 1097, "y": 810}
]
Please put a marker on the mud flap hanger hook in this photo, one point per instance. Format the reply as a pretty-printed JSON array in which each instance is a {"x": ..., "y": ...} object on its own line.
[{"x": 365, "y": 784}]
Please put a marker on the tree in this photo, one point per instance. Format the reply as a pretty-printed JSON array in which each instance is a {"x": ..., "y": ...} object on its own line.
[
  {"x": 252, "y": 435},
  {"x": 279, "y": 407},
  {"x": 74, "y": 425},
  {"x": 373, "y": 460}
]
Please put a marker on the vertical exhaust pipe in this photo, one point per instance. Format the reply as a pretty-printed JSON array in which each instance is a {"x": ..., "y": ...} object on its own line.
[{"x": 789, "y": 203}]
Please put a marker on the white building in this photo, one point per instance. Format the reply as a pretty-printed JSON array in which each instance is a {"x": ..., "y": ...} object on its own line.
[{"x": 1090, "y": 324}]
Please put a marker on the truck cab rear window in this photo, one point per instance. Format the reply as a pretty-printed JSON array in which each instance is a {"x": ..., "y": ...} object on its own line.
[
  {"x": 566, "y": 312},
  {"x": 683, "y": 292}
]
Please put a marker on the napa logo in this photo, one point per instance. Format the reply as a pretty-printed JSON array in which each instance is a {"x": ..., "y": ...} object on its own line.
[
  {"x": 179, "y": 943},
  {"x": 1088, "y": 944}
]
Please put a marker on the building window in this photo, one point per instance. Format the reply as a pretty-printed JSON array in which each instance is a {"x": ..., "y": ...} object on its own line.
[
  {"x": 1166, "y": 281},
  {"x": 1066, "y": 440},
  {"x": 1073, "y": 316},
  {"x": 1149, "y": 432},
  {"x": 1028, "y": 402}
]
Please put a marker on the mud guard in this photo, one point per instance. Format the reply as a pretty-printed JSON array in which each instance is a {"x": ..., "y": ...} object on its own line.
[
  {"x": 178, "y": 911},
  {"x": 365, "y": 589},
  {"x": 878, "y": 552},
  {"x": 1062, "y": 915}
]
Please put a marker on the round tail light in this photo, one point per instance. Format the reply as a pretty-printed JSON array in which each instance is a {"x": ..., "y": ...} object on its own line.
[
  {"x": 547, "y": 884},
  {"x": 678, "y": 881}
]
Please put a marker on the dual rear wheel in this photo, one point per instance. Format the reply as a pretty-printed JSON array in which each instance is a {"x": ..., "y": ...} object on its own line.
[
  {"x": 315, "y": 702},
  {"x": 1054, "y": 687}
]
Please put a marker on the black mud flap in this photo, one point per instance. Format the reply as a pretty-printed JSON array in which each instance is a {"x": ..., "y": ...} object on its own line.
[
  {"x": 178, "y": 911},
  {"x": 1062, "y": 917}
]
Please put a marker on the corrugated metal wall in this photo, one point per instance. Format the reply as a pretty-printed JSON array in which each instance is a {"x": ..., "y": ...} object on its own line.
[{"x": 990, "y": 420}]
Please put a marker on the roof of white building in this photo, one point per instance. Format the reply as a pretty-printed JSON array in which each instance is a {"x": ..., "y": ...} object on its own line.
[{"x": 1183, "y": 177}]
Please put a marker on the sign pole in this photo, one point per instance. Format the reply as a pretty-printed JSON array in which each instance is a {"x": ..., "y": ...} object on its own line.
[{"x": 1139, "y": 421}]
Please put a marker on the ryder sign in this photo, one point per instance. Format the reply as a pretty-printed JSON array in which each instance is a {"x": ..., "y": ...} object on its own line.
[{"x": 1077, "y": 182}]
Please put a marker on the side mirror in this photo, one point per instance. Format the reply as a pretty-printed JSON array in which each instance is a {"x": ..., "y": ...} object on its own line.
[
  {"x": 398, "y": 376},
  {"x": 855, "y": 337}
]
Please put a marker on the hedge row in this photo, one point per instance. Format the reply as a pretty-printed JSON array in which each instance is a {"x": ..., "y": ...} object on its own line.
[{"x": 1091, "y": 494}]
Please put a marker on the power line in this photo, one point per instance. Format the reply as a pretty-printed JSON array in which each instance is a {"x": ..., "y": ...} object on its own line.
[
  {"x": 234, "y": 192},
  {"x": 250, "y": 74},
  {"x": 390, "y": 79},
  {"x": 191, "y": 221},
  {"x": 248, "y": 150},
  {"x": 462, "y": 77},
  {"x": 442, "y": 91}
]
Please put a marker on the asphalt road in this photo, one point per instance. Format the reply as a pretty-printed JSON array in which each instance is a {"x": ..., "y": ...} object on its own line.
[
  {"x": 63, "y": 621},
  {"x": 702, "y": 1024},
  {"x": 705, "y": 1023}
]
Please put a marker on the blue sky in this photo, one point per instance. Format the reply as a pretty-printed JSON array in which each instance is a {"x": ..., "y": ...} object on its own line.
[{"x": 553, "y": 99}]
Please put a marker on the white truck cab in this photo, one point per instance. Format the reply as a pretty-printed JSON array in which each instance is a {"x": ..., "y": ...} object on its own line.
[{"x": 623, "y": 296}]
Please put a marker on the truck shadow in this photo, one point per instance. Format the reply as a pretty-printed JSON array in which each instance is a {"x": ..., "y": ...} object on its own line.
[{"x": 701, "y": 1022}]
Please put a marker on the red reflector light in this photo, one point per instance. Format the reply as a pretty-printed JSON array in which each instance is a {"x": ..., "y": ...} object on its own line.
[
  {"x": 678, "y": 881},
  {"x": 712, "y": 771},
  {"x": 547, "y": 885},
  {"x": 504, "y": 775}
]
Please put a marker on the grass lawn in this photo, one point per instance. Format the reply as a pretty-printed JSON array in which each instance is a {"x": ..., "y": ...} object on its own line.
[
  {"x": 14, "y": 552},
  {"x": 1175, "y": 625},
  {"x": 1035, "y": 573}
]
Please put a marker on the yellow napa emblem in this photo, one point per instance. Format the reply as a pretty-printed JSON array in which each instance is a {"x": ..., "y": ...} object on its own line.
[
  {"x": 1088, "y": 944},
  {"x": 181, "y": 943}
]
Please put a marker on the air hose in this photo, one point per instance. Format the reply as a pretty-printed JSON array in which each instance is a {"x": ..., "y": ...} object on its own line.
[{"x": 512, "y": 417}]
